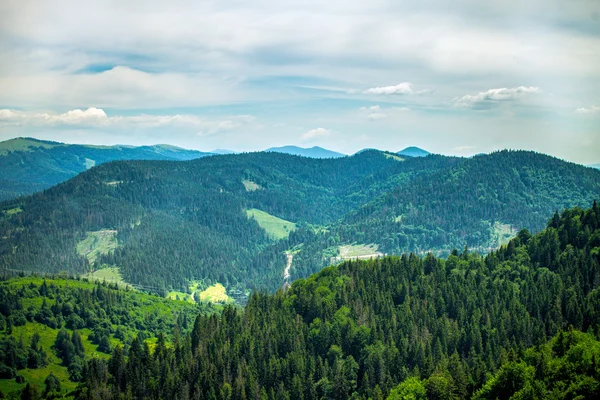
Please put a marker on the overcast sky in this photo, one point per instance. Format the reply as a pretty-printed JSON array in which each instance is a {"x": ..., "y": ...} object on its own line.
[{"x": 453, "y": 77}]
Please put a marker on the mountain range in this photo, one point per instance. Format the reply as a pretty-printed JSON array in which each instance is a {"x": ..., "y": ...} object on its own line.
[
  {"x": 238, "y": 219},
  {"x": 313, "y": 152},
  {"x": 30, "y": 165}
]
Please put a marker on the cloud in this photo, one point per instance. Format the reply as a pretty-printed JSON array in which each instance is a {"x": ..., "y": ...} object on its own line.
[
  {"x": 588, "y": 110},
  {"x": 404, "y": 88},
  {"x": 488, "y": 99},
  {"x": 376, "y": 116},
  {"x": 97, "y": 118},
  {"x": 315, "y": 133},
  {"x": 374, "y": 113}
]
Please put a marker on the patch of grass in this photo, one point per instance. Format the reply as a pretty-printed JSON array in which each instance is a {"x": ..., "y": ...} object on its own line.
[
  {"x": 358, "y": 250},
  {"x": 108, "y": 274},
  {"x": 501, "y": 234},
  {"x": 354, "y": 252},
  {"x": 13, "y": 211},
  {"x": 251, "y": 186},
  {"x": 175, "y": 295},
  {"x": 276, "y": 228},
  {"x": 215, "y": 294},
  {"x": 97, "y": 243},
  {"x": 393, "y": 157},
  {"x": 89, "y": 163}
]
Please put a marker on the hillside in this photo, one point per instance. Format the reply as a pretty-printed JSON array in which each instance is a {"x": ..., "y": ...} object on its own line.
[
  {"x": 52, "y": 326},
  {"x": 414, "y": 152},
  {"x": 519, "y": 322},
  {"x": 188, "y": 221},
  {"x": 472, "y": 203},
  {"x": 313, "y": 152},
  {"x": 29, "y": 165},
  {"x": 233, "y": 220}
]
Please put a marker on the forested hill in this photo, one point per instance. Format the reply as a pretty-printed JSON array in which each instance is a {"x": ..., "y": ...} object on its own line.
[
  {"x": 508, "y": 325},
  {"x": 473, "y": 200},
  {"x": 238, "y": 219},
  {"x": 30, "y": 165}
]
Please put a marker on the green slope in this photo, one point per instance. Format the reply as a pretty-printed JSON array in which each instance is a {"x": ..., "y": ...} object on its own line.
[
  {"x": 406, "y": 327},
  {"x": 32, "y": 305},
  {"x": 29, "y": 165},
  {"x": 178, "y": 222},
  {"x": 275, "y": 227}
]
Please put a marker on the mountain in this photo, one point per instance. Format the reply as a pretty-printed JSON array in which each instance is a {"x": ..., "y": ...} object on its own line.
[
  {"x": 222, "y": 151},
  {"x": 476, "y": 202},
  {"x": 30, "y": 165},
  {"x": 508, "y": 325},
  {"x": 249, "y": 220},
  {"x": 595, "y": 166},
  {"x": 312, "y": 152},
  {"x": 215, "y": 219},
  {"x": 413, "y": 152}
]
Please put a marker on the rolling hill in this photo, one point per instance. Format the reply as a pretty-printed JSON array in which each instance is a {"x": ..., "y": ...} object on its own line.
[
  {"x": 312, "y": 152},
  {"x": 235, "y": 219},
  {"x": 30, "y": 165}
]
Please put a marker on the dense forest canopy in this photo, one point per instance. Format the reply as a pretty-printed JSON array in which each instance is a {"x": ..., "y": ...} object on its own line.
[
  {"x": 30, "y": 165},
  {"x": 210, "y": 219},
  {"x": 522, "y": 322}
]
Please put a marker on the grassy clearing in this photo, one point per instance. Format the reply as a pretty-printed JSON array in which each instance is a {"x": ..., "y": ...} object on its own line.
[
  {"x": 108, "y": 274},
  {"x": 251, "y": 186},
  {"x": 276, "y": 228},
  {"x": 358, "y": 250},
  {"x": 175, "y": 295},
  {"x": 501, "y": 234},
  {"x": 13, "y": 211},
  {"x": 97, "y": 243},
  {"x": 393, "y": 157},
  {"x": 354, "y": 252},
  {"x": 89, "y": 163},
  {"x": 215, "y": 294}
]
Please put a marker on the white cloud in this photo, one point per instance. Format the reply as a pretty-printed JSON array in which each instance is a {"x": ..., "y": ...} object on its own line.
[
  {"x": 492, "y": 97},
  {"x": 588, "y": 110},
  {"x": 315, "y": 133},
  {"x": 376, "y": 116},
  {"x": 374, "y": 113},
  {"x": 97, "y": 118},
  {"x": 404, "y": 88}
]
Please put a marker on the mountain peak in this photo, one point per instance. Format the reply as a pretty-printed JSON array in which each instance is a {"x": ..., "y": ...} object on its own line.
[
  {"x": 413, "y": 151},
  {"x": 312, "y": 152}
]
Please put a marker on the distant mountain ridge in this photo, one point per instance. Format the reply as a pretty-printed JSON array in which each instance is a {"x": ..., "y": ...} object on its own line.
[
  {"x": 413, "y": 151},
  {"x": 29, "y": 165},
  {"x": 597, "y": 166},
  {"x": 312, "y": 152}
]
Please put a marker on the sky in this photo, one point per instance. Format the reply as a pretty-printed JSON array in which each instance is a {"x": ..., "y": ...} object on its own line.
[{"x": 461, "y": 77}]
